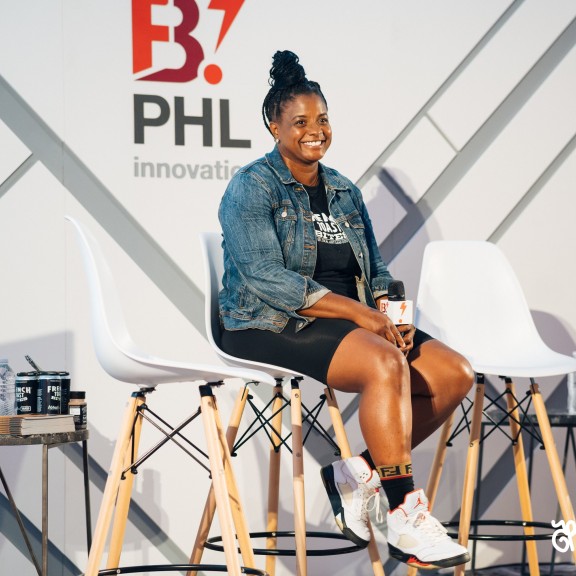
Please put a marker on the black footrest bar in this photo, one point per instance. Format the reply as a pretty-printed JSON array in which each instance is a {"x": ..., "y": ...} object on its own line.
[
  {"x": 504, "y": 537},
  {"x": 177, "y": 568},
  {"x": 211, "y": 544}
]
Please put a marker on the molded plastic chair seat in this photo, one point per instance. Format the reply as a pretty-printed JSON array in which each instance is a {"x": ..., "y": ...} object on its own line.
[
  {"x": 121, "y": 358},
  {"x": 470, "y": 298},
  {"x": 117, "y": 353},
  {"x": 213, "y": 260}
]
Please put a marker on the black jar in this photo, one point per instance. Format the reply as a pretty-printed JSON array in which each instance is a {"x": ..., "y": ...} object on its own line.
[
  {"x": 78, "y": 409},
  {"x": 48, "y": 393},
  {"x": 27, "y": 393}
]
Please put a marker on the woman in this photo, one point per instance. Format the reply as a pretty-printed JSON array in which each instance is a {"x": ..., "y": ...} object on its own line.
[{"x": 302, "y": 283}]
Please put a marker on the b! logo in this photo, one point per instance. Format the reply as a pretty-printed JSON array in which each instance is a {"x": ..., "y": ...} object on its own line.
[{"x": 167, "y": 28}]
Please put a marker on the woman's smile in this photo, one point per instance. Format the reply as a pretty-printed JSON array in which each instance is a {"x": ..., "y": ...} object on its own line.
[{"x": 303, "y": 131}]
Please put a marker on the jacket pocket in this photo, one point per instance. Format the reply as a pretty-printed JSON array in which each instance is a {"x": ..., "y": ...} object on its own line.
[
  {"x": 285, "y": 217},
  {"x": 353, "y": 220}
]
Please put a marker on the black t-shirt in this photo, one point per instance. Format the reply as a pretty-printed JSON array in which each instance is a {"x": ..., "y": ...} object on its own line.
[{"x": 336, "y": 265}]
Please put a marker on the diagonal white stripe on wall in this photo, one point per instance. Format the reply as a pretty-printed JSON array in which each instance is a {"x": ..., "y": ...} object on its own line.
[{"x": 61, "y": 161}]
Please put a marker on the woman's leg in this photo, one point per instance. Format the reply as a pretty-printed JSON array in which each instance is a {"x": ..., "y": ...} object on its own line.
[
  {"x": 440, "y": 379},
  {"x": 378, "y": 371},
  {"x": 369, "y": 365}
]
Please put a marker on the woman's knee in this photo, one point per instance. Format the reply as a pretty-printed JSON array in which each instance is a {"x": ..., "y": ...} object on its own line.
[
  {"x": 362, "y": 362},
  {"x": 393, "y": 362},
  {"x": 441, "y": 371},
  {"x": 392, "y": 370},
  {"x": 461, "y": 376}
]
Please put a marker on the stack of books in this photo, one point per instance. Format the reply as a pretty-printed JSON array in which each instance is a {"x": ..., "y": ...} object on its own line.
[{"x": 24, "y": 425}]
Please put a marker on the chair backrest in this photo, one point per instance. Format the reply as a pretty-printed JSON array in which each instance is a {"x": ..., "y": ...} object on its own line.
[
  {"x": 470, "y": 298},
  {"x": 117, "y": 353},
  {"x": 214, "y": 270},
  {"x": 213, "y": 256},
  {"x": 109, "y": 330}
]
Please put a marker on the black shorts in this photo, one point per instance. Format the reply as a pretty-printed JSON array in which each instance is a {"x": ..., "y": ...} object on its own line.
[{"x": 308, "y": 351}]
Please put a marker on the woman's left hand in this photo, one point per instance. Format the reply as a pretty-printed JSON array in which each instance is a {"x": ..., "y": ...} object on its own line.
[{"x": 407, "y": 331}]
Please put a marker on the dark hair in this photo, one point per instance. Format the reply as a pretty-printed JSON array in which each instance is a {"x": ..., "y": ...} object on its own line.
[{"x": 287, "y": 80}]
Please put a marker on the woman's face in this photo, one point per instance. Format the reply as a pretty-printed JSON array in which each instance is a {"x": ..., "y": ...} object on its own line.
[{"x": 303, "y": 130}]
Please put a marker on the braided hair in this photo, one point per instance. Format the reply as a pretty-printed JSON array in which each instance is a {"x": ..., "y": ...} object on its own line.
[{"x": 287, "y": 80}]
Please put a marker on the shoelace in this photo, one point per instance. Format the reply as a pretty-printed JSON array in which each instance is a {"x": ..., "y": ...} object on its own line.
[
  {"x": 425, "y": 522},
  {"x": 372, "y": 502}
]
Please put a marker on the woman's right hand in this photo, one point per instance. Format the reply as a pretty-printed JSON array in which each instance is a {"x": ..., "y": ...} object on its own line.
[{"x": 379, "y": 323}]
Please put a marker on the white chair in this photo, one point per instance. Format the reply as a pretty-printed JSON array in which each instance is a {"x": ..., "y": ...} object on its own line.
[
  {"x": 120, "y": 358},
  {"x": 470, "y": 298},
  {"x": 214, "y": 269}
]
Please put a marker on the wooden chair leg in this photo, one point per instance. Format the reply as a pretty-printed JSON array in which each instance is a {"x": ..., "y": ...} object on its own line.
[
  {"x": 238, "y": 516},
  {"x": 112, "y": 484},
  {"x": 345, "y": 452},
  {"x": 210, "y": 506},
  {"x": 298, "y": 479},
  {"x": 203, "y": 531},
  {"x": 471, "y": 470},
  {"x": 274, "y": 478},
  {"x": 436, "y": 470},
  {"x": 439, "y": 459},
  {"x": 123, "y": 499},
  {"x": 216, "y": 442},
  {"x": 553, "y": 460},
  {"x": 522, "y": 476}
]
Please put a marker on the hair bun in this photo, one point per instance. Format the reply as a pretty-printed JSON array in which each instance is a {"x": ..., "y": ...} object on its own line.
[{"x": 286, "y": 70}]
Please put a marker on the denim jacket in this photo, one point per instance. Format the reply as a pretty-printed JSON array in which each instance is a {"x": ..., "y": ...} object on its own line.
[{"x": 270, "y": 245}]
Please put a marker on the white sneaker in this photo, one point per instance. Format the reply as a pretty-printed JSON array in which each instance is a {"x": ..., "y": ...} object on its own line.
[
  {"x": 352, "y": 485},
  {"x": 418, "y": 539}
]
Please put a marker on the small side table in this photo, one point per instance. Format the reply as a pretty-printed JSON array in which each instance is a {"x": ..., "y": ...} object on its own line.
[{"x": 47, "y": 441}]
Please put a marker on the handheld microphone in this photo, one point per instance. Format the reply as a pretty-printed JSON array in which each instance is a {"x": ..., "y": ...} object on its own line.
[{"x": 397, "y": 308}]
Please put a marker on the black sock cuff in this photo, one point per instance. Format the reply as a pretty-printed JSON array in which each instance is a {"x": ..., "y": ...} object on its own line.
[{"x": 368, "y": 458}]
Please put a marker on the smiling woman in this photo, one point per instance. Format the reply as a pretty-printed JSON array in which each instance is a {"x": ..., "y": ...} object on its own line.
[
  {"x": 296, "y": 114},
  {"x": 303, "y": 276},
  {"x": 303, "y": 135}
]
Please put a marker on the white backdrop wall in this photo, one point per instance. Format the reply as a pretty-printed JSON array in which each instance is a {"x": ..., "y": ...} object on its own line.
[{"x": 456, "y": 119}]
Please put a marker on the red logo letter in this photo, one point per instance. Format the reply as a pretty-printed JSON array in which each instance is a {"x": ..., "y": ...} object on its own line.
[
  {"x": 144, "y": 33},
  {"x": 194, "y": 53}
]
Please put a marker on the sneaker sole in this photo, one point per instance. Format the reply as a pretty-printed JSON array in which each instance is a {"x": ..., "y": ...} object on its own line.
[
  {"x": 414, "y": 561},
  {"x": 327, "y": 474}
]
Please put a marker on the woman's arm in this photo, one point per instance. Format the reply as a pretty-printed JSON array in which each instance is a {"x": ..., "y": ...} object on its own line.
[
  {"x": 247, "y": 217},
  {"x": 335, "y": 306}
]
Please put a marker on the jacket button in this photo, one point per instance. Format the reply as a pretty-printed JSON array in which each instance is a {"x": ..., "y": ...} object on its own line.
[
  {"x": 284, "y": 214},
  {"x": 360, "y": 255},
  {"x": 347, "y": 225}
]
